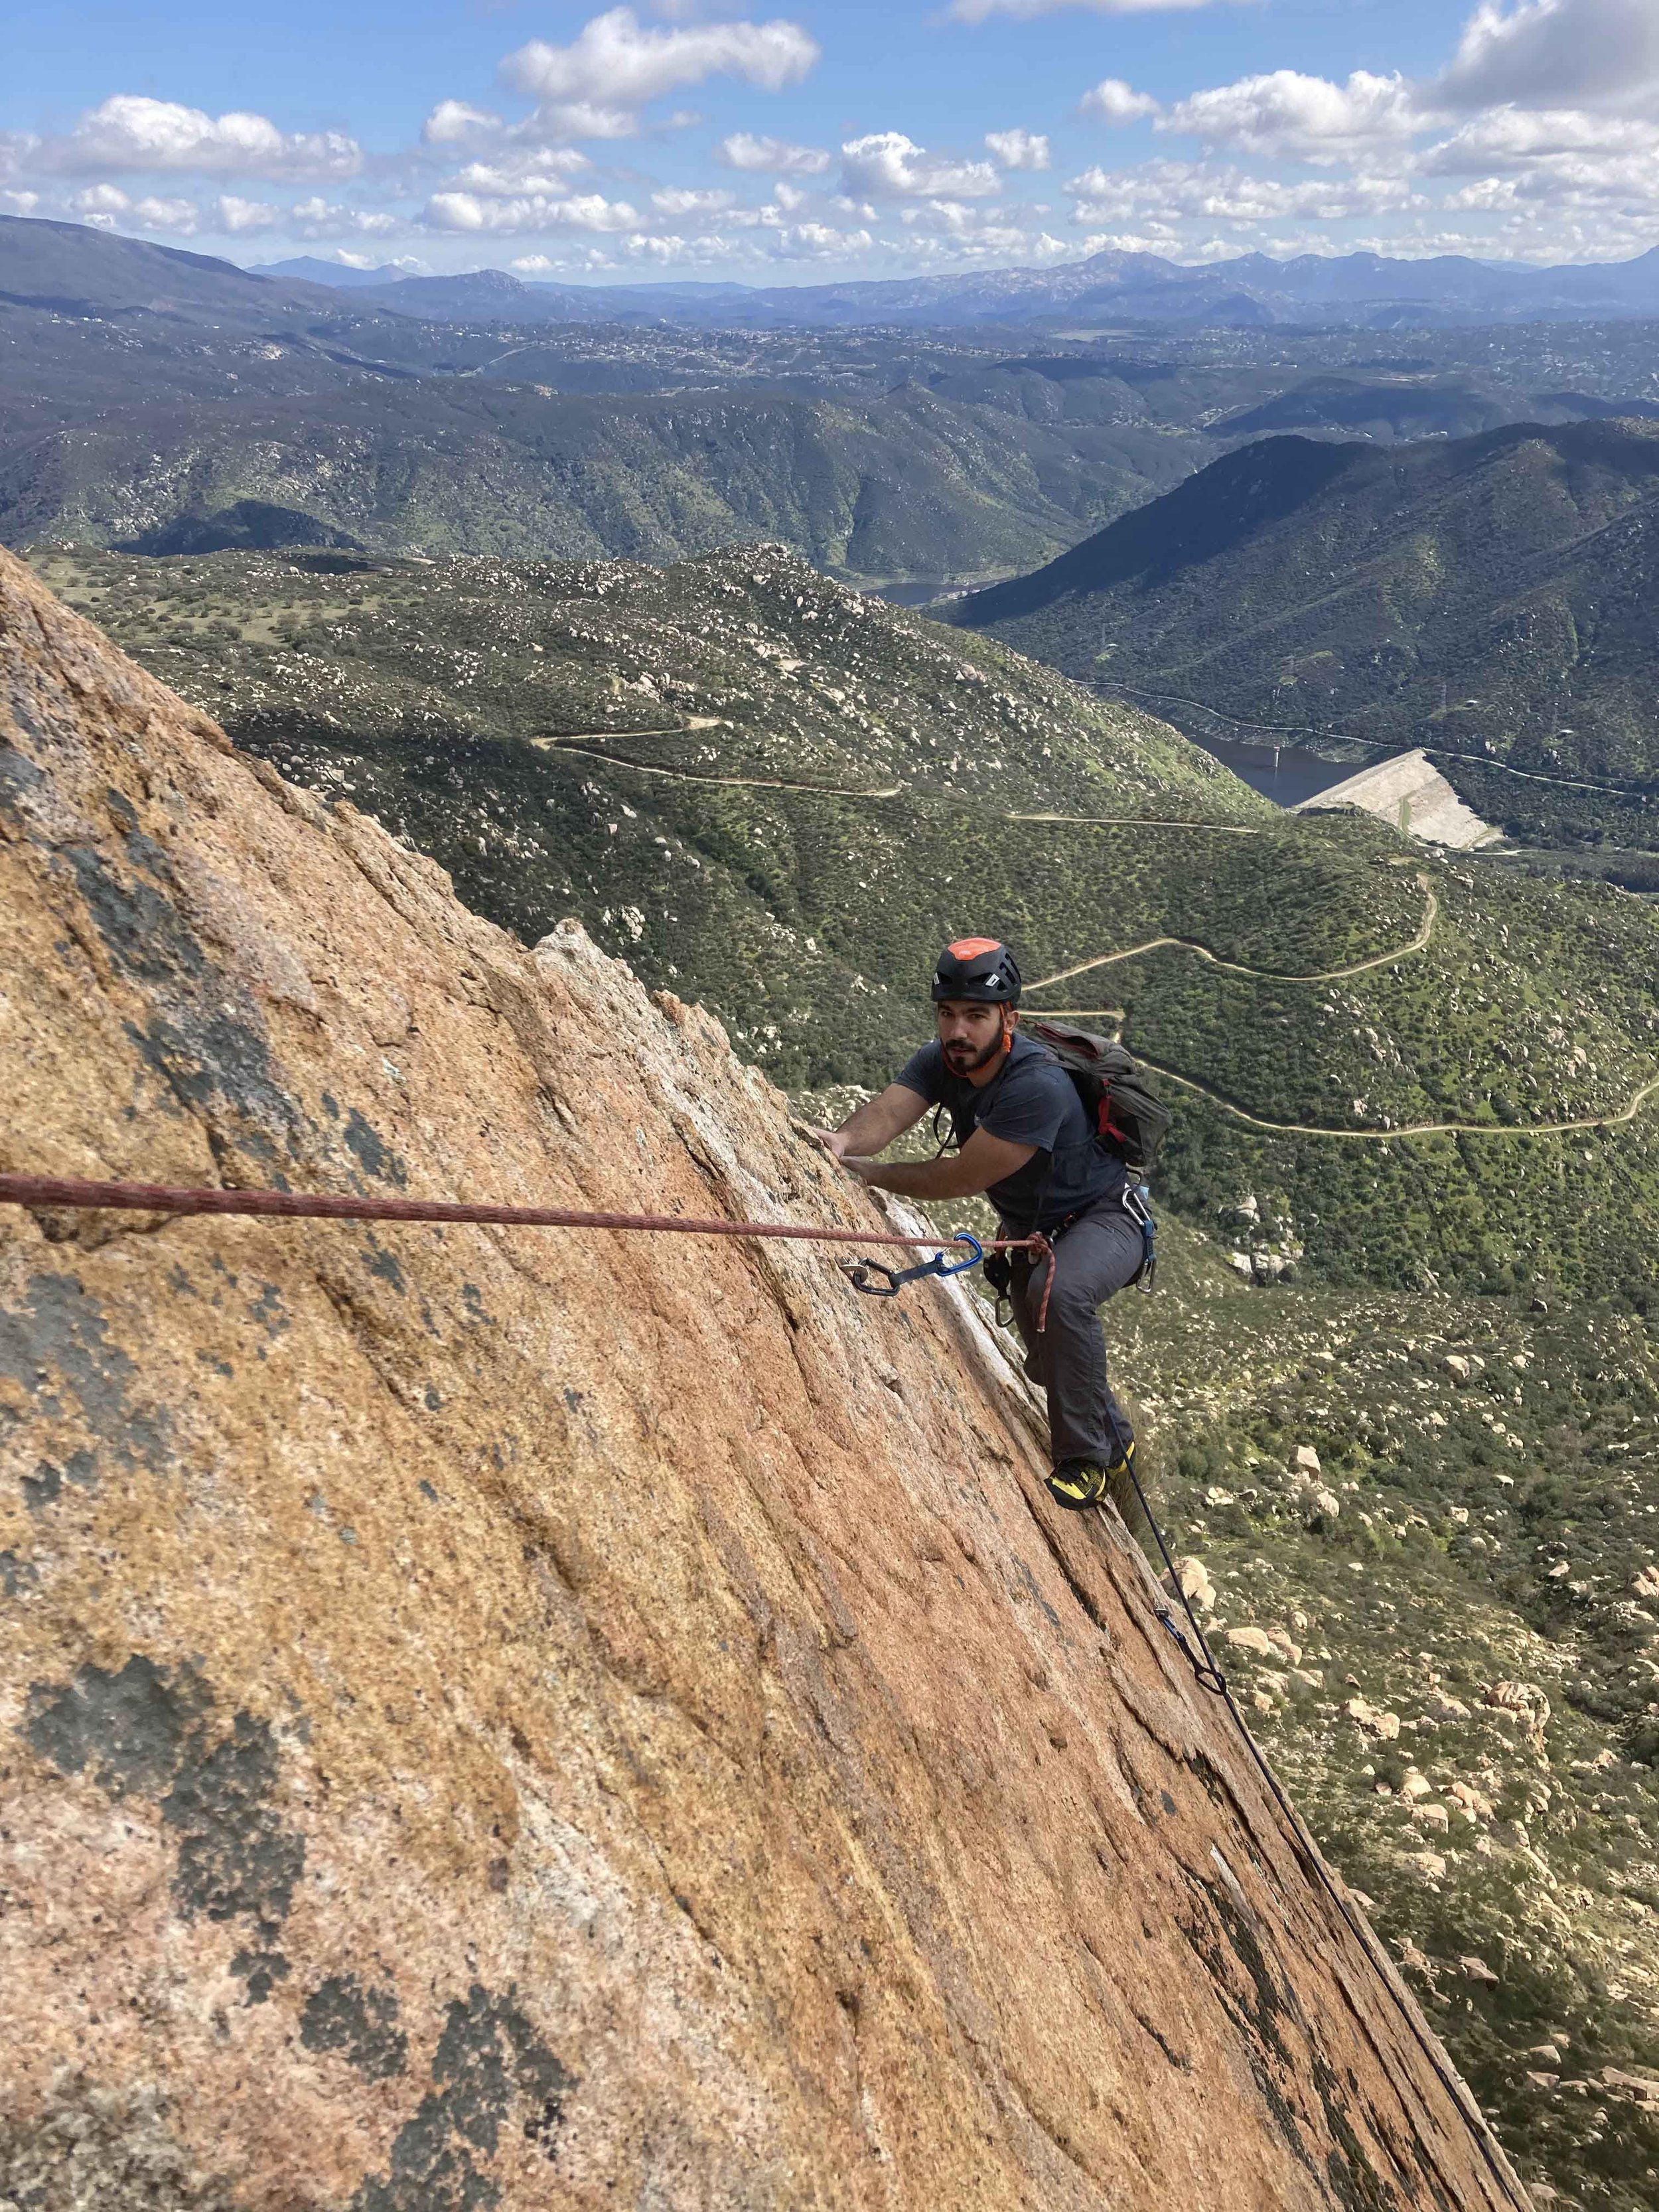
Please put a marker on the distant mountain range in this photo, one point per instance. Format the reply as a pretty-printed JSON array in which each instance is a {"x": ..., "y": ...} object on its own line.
[
  {"x": 1495, "y": 596},
  {"x": 164, "y": 402},
  {"x": 1364, "y": 289}
]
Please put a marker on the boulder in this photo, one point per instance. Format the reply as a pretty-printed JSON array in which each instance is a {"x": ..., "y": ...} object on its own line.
[
  {"x": 546, "y": 1718},
  {"x": 1365, "y": 1717},
  {"x": 1195, "y": 1582},
  {"x": 1251, "y": 1639}
]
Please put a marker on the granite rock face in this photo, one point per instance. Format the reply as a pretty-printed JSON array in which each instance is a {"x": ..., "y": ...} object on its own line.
[{"x": 543, "y": 1719}]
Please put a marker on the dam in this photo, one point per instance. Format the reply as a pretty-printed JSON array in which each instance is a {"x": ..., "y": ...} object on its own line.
[{"x": 1410, "y": 792}]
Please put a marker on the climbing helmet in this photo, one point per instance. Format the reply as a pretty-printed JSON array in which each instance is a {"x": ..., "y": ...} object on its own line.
[{"x": 977, "y": 968}]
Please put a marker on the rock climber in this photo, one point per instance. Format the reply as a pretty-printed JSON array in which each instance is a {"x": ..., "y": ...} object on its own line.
[{"x": 1025, "y": 1141}]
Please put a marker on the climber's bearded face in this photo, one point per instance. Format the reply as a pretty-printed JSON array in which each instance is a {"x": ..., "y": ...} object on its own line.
[{"x": 970, "y": 1034}]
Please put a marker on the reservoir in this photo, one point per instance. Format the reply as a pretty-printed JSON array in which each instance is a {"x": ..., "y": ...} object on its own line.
[
  {"x": 1287, "y": 774},
  {"x": 921, "y": 592},
  {"x": 1287, "y": 777}
]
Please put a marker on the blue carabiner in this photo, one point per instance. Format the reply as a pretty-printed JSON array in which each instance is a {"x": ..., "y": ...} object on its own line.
[{"x": 859, "y": 1272}]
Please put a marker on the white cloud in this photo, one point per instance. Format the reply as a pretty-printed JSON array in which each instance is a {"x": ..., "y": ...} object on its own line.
[
  {"x": 1507, "y": 139},
  {"x": 595, "y": 85},
  {"x": 887, "y": 166},
  {"x": 979, "y": 11},
  {"x": 456, "y": 123},
  {"x": 470, "y": 212},
  {"x": 1555, "y": 53},
  {"x": 107, "y": 206},
  {"x": 513, "y": 175},
  {"x": 1018, "y": 149},
  {"x": 1556, "y": 161},
  {"x": 1286, "y": 113},
  {"x": 129, "y": 133},
  {"x": 237, "y": 216},
  {"x": 958, "y": 231},
  {"x": 679, "y": 200},
  {"x": 821, "y": 241},
  {"x": 1116, "y": 102},
  {"x": 20, "y": 203},
  {"x": 320, "y": 218},
  {"x": 1162, "y": 191},
  {"x": 742, "y": 150}
]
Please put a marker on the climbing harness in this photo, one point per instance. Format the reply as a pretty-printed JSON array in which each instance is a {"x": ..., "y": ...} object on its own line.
[
  {"x": 1041, "y": 1245},
  {"x": 1195, "y": 1649},
  {"x": 859, "y": 1271}
]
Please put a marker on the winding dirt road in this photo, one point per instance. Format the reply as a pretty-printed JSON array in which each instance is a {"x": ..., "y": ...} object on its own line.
[
  {"x": 690, "y": 776},
  {"x": 1627, "y": 1112},
  {"x": 1418, "y": 943}
]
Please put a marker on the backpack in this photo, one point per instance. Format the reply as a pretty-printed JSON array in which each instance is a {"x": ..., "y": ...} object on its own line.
[{"x": 1127, "y": 1115}]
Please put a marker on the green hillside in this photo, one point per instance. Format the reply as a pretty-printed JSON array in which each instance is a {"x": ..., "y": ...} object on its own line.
[
  {"x": 890, "y": 488},
  {"x": 1452, "y": 1664},
  {"x": 1491, "y": 597}
]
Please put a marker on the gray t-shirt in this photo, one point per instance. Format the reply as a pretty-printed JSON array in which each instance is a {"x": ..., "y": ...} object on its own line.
[{"x": 1032, "y": 1102}]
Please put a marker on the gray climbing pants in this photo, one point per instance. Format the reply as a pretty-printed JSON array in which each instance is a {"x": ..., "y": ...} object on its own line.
[{"x": 1096, "y": 1256}]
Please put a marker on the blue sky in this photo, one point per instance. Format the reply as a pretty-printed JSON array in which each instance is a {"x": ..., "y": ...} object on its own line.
[{"x": 868, "y": 137}]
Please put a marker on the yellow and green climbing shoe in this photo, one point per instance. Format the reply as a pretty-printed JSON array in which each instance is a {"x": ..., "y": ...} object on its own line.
[
  {"x": 1083, "y": 1483},
  {"x": 1078, "y": 1485}
]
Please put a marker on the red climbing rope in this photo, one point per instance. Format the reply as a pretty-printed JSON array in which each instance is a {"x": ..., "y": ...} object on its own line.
[{"x": 308, "y": 1206}]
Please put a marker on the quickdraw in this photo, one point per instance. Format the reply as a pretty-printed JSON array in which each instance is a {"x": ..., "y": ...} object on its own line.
[
  {"x": 859, "y": 1273},
  {"x": 1137, "y": 1204}
]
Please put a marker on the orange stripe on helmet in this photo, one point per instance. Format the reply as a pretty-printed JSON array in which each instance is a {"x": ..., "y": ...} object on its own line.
[{"x": 969, "y": 948}]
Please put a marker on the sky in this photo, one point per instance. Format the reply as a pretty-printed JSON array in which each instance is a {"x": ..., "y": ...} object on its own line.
[{"x": 691, "y": 141}]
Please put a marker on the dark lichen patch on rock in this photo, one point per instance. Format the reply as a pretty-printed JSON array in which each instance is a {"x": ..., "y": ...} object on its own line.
[
  {"x": 261, "y": 1970},
  {"x": 234, "y": 1856},
  {"x": 44, "y": 1487},
  {"x": 216, "y": 1060},
  {"x": 375, "y": 1157},
  {"x": 18, "y": 774},
  {"x": 204, "y": 1038},
  {"x": 128, "y": 1729},
  {"x": 383, "y": 1263},
  {"x": 16, "y": 1576},
  {"x": 138, "y": 923},
  {"x": 267, "y": 1310},
  {"x": 1221, "y": 1936},
  {"x": 361, "y": 2024},
  {"x": 116, "y": 2149},
  {"x": 489, "y": 2065},
  {"x": 147, "y": 1732},
  {"x": 58, "y": 1334}
]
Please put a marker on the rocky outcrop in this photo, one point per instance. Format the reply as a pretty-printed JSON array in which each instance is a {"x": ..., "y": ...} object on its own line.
[{"x": 538, "y": 1719}]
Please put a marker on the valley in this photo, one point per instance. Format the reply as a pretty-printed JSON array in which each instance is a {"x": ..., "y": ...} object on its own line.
[
  {"x": 168, "y": 404},
  {"x": 1326, "y": 592}
]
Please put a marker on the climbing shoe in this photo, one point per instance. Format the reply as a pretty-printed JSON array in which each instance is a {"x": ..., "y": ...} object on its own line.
[
  {"x": 1083, "y": 1483},
  {"x": 1078, "y": 1485}
]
